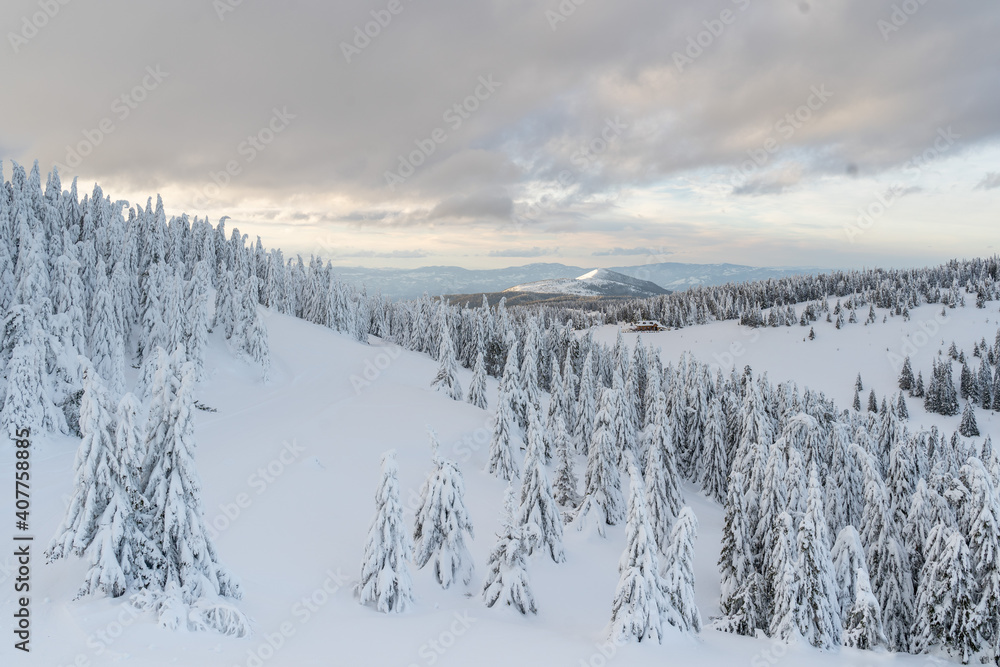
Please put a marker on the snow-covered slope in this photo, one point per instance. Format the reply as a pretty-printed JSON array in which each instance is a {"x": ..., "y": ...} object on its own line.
[
  {"x": 599, "y": 282},
  {"x": 289, "y": 470}
]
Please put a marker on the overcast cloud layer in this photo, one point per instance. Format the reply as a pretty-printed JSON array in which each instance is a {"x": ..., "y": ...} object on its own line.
[{"x": 833, "y": 133}]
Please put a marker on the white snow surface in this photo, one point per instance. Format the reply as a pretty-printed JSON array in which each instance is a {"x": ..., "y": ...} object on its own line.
[{"x": 302, "y": 526}]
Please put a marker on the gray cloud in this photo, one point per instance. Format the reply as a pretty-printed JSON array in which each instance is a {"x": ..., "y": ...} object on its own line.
[
  {"x": 523, "y": 252},
  {"x": 544, "y": 130},
  {"x": 627, "y": 252},
  {"x": 990, "y": 181},
  {"x": 395, "y": 254}
]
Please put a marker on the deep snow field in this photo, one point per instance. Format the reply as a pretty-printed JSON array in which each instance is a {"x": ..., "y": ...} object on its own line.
[{"x": 289, "y": 469}]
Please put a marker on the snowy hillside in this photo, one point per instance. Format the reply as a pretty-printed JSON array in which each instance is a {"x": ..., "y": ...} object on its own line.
[
  {"x": 289, "y": 469},
  {"x": 599, "y": 282}
]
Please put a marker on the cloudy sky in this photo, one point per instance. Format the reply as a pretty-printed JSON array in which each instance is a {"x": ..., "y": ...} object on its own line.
[{"x": 833, "y": 133}]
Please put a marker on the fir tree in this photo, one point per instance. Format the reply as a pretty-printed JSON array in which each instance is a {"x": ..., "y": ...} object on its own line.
[
  {"x": 821, "y": 618},
  {"x": 968, "y": 427},
  {"x": 507, "y": 569},
  {"x": 663, "y": 495},
  {"x": 640, "y": 606},
  {"x": 784, "y": 580},
  {"x": 678, "y": 573},
  {"x": 906, "y": 376},
  {"x": 602, "y": 495},
  {"x": 586, "y": 408},
  {"x": 863, "y": 628},
  {"x": 716, "y": 468},
  {"x": 848, "y": 557},
  {"x": 177, "y": 517},
  {"x": 502, "y": 460},
  {"x": 477, "y": 390},
  {"x": 872, "y": 402},
  {"x": 566, "y": 483},
  {"x": 945, "y": 609},
  {"x": 442, "y": 522},
  {"x": 96, "y": 475},
  {"x": 385, "y": 571},
  {"x": 446, "y": 379},
  {"x": 537, "y": 514},
  {"x": 889, "y": 566}
]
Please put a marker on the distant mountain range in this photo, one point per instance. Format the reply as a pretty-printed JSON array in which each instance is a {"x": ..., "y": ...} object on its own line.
[
  {"x": 599, "y": 282},
  {"x": 437, "y": 280}
]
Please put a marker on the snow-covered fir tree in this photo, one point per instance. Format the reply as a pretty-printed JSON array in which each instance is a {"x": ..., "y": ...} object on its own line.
[
  {"x": 442, "y": 523},
  {"x": 863, "y": 624},
  {"x": 784, "y": 581},
  {"x": 821, "y": 617},
  {"x": 663, "y": 495},
  {"x": 507, "y": 570},
  {"x": 602, "y": 502},
  {"x": 566, "y": 485},
  {"x": 502, "y": 460},
  {"x": 678, "y": 574},
  {"x": 640, "y": 605},
  {"x": 96, "y": 474},
  {"x": 477, "y": 390},
  {"x": 385, "y": 567},
  {"x": 946, "y": 614},
  {"x": 446, "y": 379},
  {"x": 538, "y": 515}
]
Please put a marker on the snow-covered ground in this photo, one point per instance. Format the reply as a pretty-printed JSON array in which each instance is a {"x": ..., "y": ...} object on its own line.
[{"x": 289, "y": 469}]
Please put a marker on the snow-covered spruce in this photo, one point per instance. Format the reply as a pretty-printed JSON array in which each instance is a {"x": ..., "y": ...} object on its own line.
[
  {"x": 678, "y": 574},
  {"x": 442, "y": 522},
  {"x": 640, "y": 607},
  {"x": 446, "y": 379},
  {"x": 507, "y": 569},
  {"x": 602, "y": 504},
  {"x": 537, "y": 514},
  {"x": 502, "y": 457},
  {"x": 863, "y": 625},
  {"x": 385, "y": 570},
  {"x": 565, "y": 486},
  {"x": 96, "y": 473},
  {"x": 192, "y": 574},
  {"x": 821, "y": 617},
  {"x": 663, "y": 495},
  {"x": 477, "y": 390}
]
